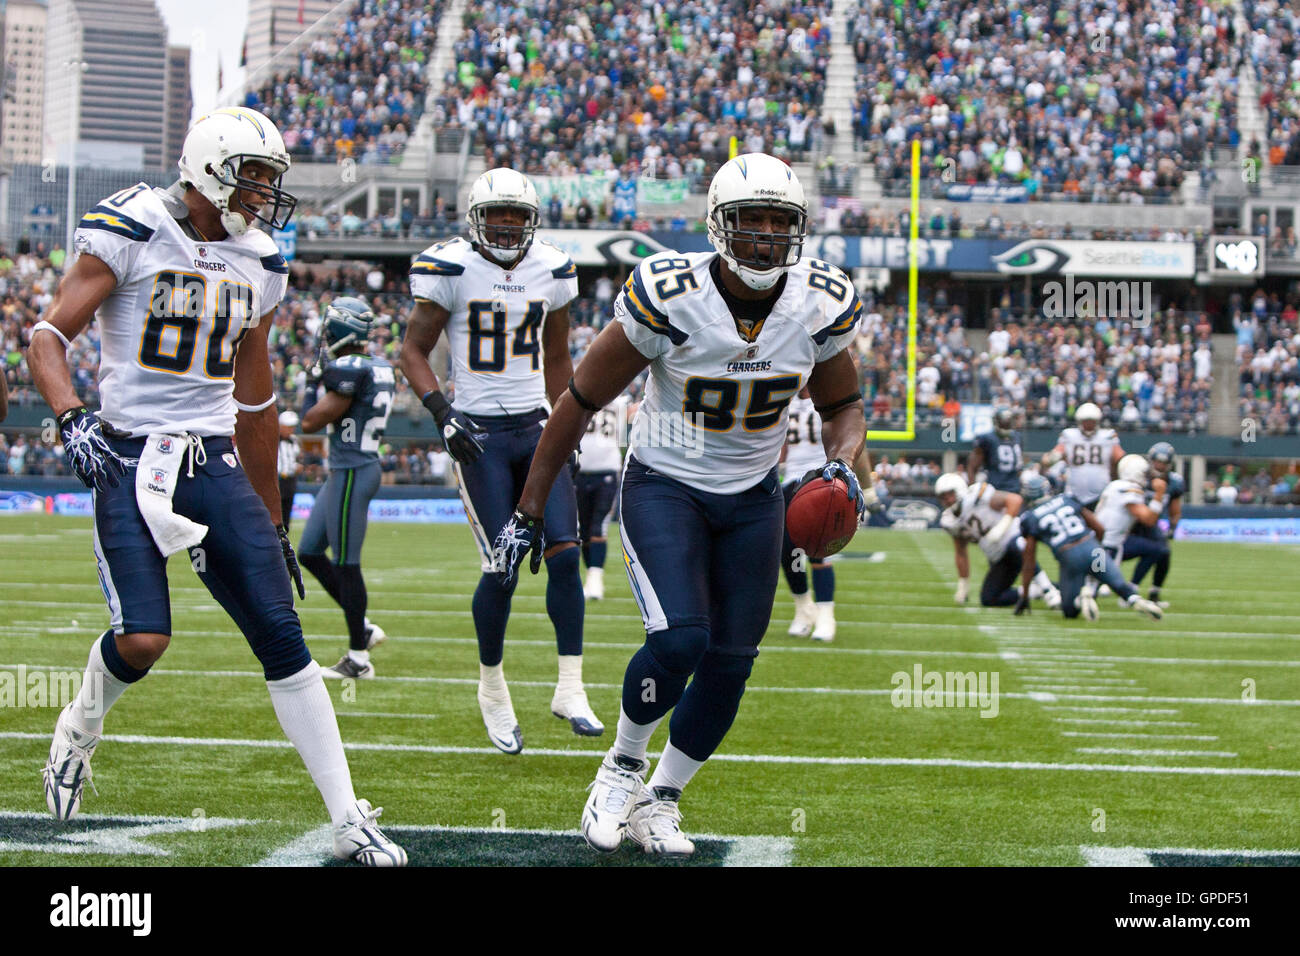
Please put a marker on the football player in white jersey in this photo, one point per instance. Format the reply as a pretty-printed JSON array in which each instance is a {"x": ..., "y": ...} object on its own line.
[
  {"x": 185, "y": 291},
  {"x": 803, "y": 452},
  {"x": 1122, "y": 503},
  {"x": 1089, "y": 453},
  {"x": 988, "y": 517},
  {"x": 600, "y": 459},
  {"x": 729, "y": 339},
  {"x": 503, "y": 300}
]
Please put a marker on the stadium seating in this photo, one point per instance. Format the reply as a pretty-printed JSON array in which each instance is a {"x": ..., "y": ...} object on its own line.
[
  {"x": 1095, "y": 103},
  {"x": 358, "y": 92},
  {"x": 1268, "y": 358},
  {"x": 1270, "y": 47}
]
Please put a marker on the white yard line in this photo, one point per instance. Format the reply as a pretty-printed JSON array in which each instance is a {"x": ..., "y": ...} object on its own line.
[
  {"x": 1125, "y": 723},
  {"x": 1138, "y": 736},
  {"x": 1120, "y": 752},
  {"x": 788, "y": 759}
]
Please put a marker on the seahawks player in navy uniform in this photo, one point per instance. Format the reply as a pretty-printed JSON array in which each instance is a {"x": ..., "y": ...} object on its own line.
[
  {"x": 353, "y": 399},
  {"x": 998, "y": 452},
  {"x": 184, "y": 289},
  {"x": 1148, "y": 543},
  {"x": 729, "y": 337},
  {"x": 503, "y": 301},
  {"x": 1074, "y": 534}
]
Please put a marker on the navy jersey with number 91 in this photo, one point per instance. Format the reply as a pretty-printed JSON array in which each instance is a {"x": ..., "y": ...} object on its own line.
[
  {"x": 1002, "y": 459},
  {"x": 369, "y": 382}
]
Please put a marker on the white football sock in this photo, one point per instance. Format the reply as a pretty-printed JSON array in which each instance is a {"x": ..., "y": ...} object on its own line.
[
  {"x": 99, "y": 691},
  {"x": 493, "y": 681},
  {"x": 360, "y": 657},
  {"x": 633, "y": 738},
  {"x": 303, "y": 707},
  {"x": 570, "y": 679},
  {"x": 674, "y": 769},
  {"x": 1044, "y": 583}
]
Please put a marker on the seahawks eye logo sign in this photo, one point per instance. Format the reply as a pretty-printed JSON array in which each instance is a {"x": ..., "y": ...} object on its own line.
[
  {"x": 1032, "y": 257},
  {"x": 628, "y": 248}
]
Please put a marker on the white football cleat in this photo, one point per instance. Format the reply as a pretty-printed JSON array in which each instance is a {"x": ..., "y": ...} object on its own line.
[
  {"x": 574, "y": 707},
  {"x": 1150, "y": 608},
  {"x": 617, "y": 789},
  {"x": 347, "y": 667},
  {"x": 825, "y": 629},
  {"x": 1052, "y": 599},
  {"x": 360, "y": 840},
  {"x": 805, "y": 615},
  {"x": 655, "y": 824},
  {"x": 594, "y": 588},
  {"x": 374, "y": 634},
  {"x": 1088, "y": 607},
  {"x": 68, "y": 770},
  {"x": 499, "y": 719},
  {"x": 1103, "y": 591}
]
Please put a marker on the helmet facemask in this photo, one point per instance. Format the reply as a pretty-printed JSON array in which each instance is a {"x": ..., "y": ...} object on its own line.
[
  {"x": 509, "y": 242},
  {"x": 768, "y": 254},
  {"x": 280, "y": 203}
]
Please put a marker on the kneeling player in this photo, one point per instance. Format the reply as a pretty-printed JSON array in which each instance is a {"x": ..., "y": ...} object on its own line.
[
  {"x": 1073, "y": 533},
  {"x": 1148, "y": 543},
  {"x": 988, "y": 517},
  {"x": 358, "y": 394}
]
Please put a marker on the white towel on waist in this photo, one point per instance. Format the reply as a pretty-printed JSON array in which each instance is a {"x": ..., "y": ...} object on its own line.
[{"x": 155, "y": 483}]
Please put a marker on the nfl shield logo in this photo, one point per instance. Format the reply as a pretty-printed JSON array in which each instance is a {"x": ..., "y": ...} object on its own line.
[
  {"x": 751, "y": 352},
  {"x": 203, "y": 252},
  {"x": 165, "y": 445},
  {"x": 229, "y": 459},
  {"x": 159, "y": 476}
]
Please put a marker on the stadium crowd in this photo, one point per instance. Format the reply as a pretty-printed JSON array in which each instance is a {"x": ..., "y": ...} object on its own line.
[
  {"x": 558, "y": 87},
  {"x": 1268, "y": 359},
  {"x": 358, "y": 91},
  {"x": 1271, "y": 47},
  {"x": 1082, "y": 100}
]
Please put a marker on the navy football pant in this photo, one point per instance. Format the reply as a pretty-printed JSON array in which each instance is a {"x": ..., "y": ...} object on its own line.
[
  {"x": 1087, "y": 559},
  {"x": 490, "y": 487},
  {"x": 704, "y": 569},
  {"x": 1152, "y": 550},
  {"x": 239, "y": 560},
  {"x": 999, "y": 587},
  {"x": 340, "y": 512}
]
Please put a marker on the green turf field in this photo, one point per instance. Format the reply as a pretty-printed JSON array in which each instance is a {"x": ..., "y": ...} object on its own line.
[{"x": 1117, "y": 742}]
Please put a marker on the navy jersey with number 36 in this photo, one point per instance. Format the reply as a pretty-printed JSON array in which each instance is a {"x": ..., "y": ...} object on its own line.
[{"x": 1057, "y": 522}]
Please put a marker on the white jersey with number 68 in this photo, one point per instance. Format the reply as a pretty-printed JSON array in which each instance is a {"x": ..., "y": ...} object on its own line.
[{"x": 1087, "y": 461}]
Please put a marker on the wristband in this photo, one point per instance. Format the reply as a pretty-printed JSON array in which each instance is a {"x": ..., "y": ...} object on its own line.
[
  {"x": 578, "y": 397},
  {"x": 436, "y": 403},
  {"x": 824, "y": 410},
  {"x": 255, "y": 408},
  {"x": 1157, "y": 505},
  {"x": 50, "y": 328}
]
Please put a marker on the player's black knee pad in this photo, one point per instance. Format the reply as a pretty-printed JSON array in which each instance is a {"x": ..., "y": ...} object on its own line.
[
  {"x": 678, "y": 650},
  {"x": 1070, "y": 609},
  {"x": 724, "y": 674}
]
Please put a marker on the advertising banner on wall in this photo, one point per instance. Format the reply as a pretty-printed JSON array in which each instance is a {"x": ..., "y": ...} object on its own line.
[{"x": 1128, "y": 260}]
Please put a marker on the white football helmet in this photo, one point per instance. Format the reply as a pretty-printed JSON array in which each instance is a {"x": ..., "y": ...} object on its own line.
[
  {"x": 215, "y": 150},
  {"x": 503, "y": 187},
  {"x": 1133, "y": 468},
  {"x": 1088, "y": 412},
  {"x": 951, "y": 482},
  {"x": 756, "y": 179}
]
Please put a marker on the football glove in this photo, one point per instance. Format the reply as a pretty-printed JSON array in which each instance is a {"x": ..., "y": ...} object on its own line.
[
  {"x": 522, "y": 534},
  {"x": 291, "y": 560},
  {"x": 89, "y": 455},
  {"x": 838, "y": 469},
  {"x": 459, "y": 436},
  {"x": 1022, "y": 605}
]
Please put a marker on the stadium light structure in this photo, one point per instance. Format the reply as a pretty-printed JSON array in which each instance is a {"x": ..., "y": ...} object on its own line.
[{"x": 908, "y": 433}]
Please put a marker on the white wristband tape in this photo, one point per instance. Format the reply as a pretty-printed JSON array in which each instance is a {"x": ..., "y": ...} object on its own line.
[
  {"x": 255, "y": 408},
  {"x": 50, "y": 328},
  {"x": 1157, "y": 506}
]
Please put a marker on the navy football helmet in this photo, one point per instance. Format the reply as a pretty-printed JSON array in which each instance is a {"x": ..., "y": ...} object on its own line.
[
  {"x": 1034, "y": 487},
  {"x": 1004, "y": 422},
  {"x": 347, "y": 322}
]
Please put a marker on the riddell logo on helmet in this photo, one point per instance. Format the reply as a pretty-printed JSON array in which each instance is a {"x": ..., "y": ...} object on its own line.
[{"x": 770, "y": 192}]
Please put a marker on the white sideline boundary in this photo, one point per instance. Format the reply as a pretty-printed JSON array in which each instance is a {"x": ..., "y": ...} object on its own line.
[
  {"x": 1140, "y": 856},
  {"x": 793, "y": 760}
]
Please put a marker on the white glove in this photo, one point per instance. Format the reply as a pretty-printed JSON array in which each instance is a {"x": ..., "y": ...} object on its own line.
[{"x": 963, "y": 590}]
